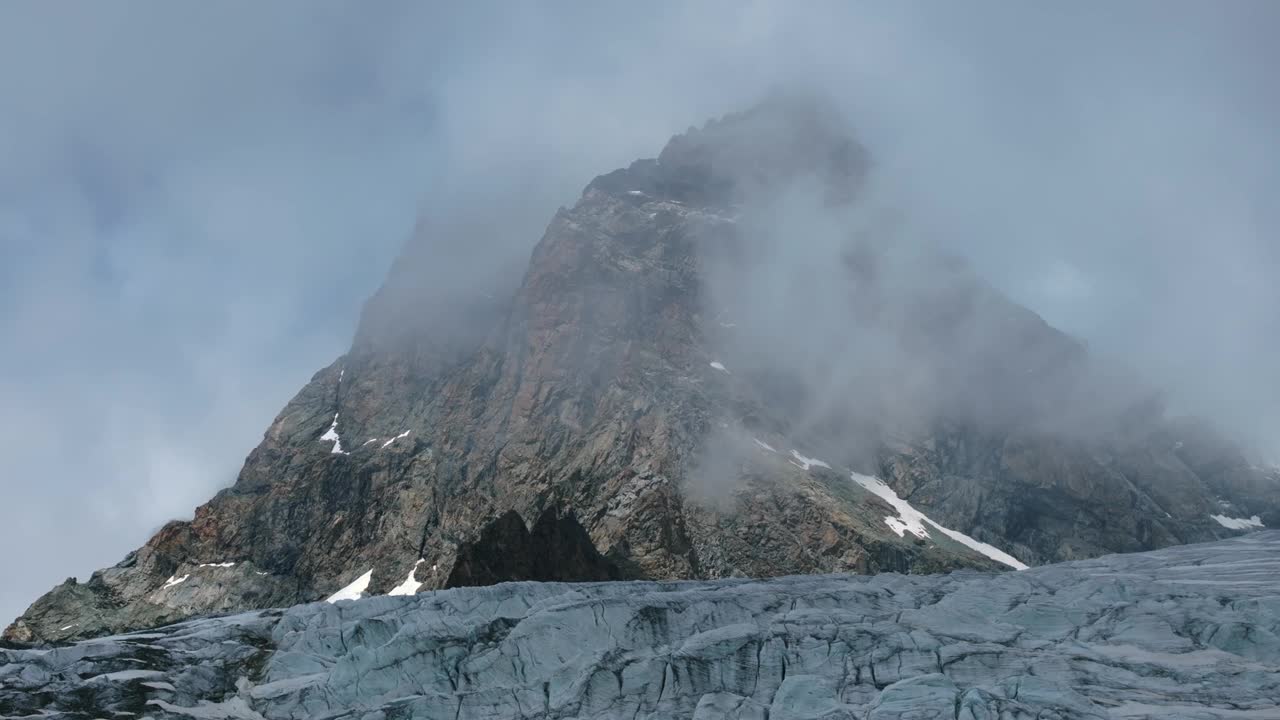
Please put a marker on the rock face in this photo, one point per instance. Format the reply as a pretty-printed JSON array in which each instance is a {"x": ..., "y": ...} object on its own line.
[
  {"x": 1186, "y": 632},
  {"x": 621, "y": 381},
  {"x": 556, "y": 549}
]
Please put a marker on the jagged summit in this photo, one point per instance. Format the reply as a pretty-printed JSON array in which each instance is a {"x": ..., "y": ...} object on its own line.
[
  {"x": 751, "y": 152},
  {"x": 640, "y": 380}
]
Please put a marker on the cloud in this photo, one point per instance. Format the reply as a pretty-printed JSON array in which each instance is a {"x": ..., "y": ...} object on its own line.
[
  {"x": 192, "y": 207},
  {"x": 195, "y": 200}
]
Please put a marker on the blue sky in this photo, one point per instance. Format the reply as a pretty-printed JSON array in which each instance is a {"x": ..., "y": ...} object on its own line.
[{"x": 196, "y": 199}]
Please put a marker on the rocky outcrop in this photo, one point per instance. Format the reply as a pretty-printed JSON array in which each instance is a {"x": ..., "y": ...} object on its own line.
[
  {"x": 556, "y": 549},
  {"x": 1061, "y": 497},
  {"x": 615, "y": 381},
  {"x": 1189, "y": 632}
]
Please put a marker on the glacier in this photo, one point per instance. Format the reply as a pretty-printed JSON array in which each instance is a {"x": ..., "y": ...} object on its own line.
[{"x": 1185, "y": 632}]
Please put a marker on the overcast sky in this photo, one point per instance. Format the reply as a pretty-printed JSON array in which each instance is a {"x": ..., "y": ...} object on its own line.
[{"x": 196, "y": 198}]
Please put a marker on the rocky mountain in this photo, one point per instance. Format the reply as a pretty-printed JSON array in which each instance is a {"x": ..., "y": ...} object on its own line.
[
  {"x": 1186, "y": 632},
  {"x": 720, "y": 362}
]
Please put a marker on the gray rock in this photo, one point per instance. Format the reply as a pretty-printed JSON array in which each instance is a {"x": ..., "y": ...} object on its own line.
[{"x": 1185, "y": 632}]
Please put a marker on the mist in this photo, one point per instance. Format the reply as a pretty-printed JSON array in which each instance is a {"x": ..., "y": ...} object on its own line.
[{"x": 196, "y": 201}]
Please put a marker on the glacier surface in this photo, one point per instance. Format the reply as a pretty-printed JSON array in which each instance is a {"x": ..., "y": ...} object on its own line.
[{"x": 1186, "y": 632}]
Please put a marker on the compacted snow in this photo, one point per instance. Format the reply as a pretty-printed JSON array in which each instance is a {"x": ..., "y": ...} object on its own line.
[
  {"x": 354, "y": 591},
  {"x": 401, "y": 435},
  {"x": 174, "y": 581},
  {"x": 332, "y": 434},
  {"x": 804, "y": 463},
  {"x": 1251, "y": 523},
  {"x": 913, "y": 521},
  {"x": 410, "y": 584}
]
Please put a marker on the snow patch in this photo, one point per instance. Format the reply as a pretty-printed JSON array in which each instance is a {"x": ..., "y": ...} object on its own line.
[
  {"x": 804, "y": 463},
  {"x": 159, "y": 685},
  {"x": 900, "y": 526},
  {"x": 913, "y": 521},
  {"x": 635, "y": 192},
  {"x": 222, "y": 564},
  {"x": 719, "y": 366},
  {"x": 126, "y": 675},
  {"x": 411, "y": 583},
  {"x": 174, "y": 581},
  {"x": 990, "y": 551},
  {"x": 354, "y": 591},
  {"x": 1238, "y": 523},
  {"x": 332, "y": 434},
  {"x": 403, "y": 434},
  {"x": 764, "y": 445},
  {"x": 909, "y": 519},
  {"x": 66, "y": 627},
  {"x": 237, "y": 708}
]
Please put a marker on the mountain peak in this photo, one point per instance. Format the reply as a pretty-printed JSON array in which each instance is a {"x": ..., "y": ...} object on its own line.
[
  {"x": 610, "y": 403},
  {"x": 781, "y": 139}
]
